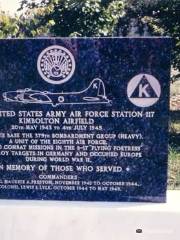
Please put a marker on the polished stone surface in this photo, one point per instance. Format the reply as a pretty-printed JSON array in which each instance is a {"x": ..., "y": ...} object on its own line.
[{"x": 125, "y": 78}]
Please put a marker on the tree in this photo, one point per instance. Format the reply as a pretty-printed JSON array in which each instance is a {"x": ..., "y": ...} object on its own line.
[
  {"x": 72, "y": 17},
  {"x": 157, "y": 18},
  {"x": 8, "y": 25}
]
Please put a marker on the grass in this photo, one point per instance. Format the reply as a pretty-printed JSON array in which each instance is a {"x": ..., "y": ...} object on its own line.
[
  {"x": 174, "y": 152},
  {"x": 174, "y": 141},
  {"x": 175, "y": 88},
  {"x": 174, "y": 169}
]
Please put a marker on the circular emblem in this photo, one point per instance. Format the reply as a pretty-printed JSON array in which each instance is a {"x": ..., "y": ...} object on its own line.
[
  {"x": 144, "y": 90},
  {"x": 56, "y": 64}
]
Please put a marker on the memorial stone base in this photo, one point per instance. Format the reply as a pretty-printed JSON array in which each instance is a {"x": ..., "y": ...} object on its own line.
[{"x": 27, "y": 220}]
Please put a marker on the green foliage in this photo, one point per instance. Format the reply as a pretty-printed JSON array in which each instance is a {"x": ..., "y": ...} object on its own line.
[
  {"x": 174, "y": 169},
  {"x": 73, "y": 17},
  {"x": 8, "y": 25}
]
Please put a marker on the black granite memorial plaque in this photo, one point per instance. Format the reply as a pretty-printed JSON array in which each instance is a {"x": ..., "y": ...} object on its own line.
[{"x": 84, "y": 119}]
